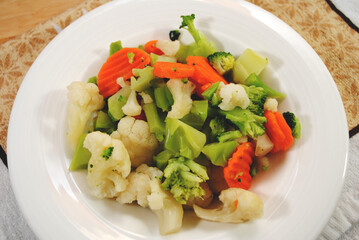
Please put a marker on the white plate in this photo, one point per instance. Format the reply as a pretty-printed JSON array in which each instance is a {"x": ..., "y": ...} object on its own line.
[{"x": 299, "y": 191}]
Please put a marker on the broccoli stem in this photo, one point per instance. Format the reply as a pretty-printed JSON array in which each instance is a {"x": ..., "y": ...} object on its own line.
[
  {"x": 157, "y": 126},
  {"x": 254, "y": 80},
  {"x": 219, "y": 153},
  {"x": 197, "y": 115},
  {"x": 163, "y": 97},
  {"x": 161, "y": 159},
  {"x": 230, "y": 135},
  {"x": 81, "y": 157},
  {"x": 193, "y": 31}
]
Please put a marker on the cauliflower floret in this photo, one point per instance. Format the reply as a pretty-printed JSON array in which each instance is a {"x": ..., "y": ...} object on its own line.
[
  {"x": 109, "y": 165},
  {"x": 138, "y": 187},
  {"x": 145, "y": 187},
  {"x": 132, "y": 108},
  {"x": 139, "y": 141},
  {"x": 84, "y": 98},
  {"x": 239, "y": 205},
  {"x": 146, "y": 97},
  {"x": 233, "y": 95},
  {"x": 271, "y": 104},
  {"x": 169, "y": 212},
  {"x": 181, "y": 92},
  {"x": 169, "y": 48},
  {"x": 122, "y": 83}
]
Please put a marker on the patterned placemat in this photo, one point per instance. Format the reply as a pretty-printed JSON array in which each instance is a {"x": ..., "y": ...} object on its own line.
[{"x": 335, "y": 42}]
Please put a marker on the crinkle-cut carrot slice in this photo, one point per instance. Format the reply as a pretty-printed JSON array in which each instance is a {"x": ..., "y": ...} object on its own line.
[
  {"x": 278, "y": 131},
  {"x": 120, "y": 64},
  {"x": 204, "y": 74},
  {"x": 237, "y": 171}
]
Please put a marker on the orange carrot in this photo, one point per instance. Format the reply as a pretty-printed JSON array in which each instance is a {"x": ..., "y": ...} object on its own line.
[
  {"x": 236, "y": 173},
  {"x": 120, "y": 64},
  {"x": 150, "y": 47},
  {"x": 278, "y": 131},
  {"x": 172, "y": 70},
  {"x": 204, "y": 73}
]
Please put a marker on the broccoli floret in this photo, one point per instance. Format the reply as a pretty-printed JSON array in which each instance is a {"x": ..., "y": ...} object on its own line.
[
  {"x": 217, "y": 125},
  {"x": 230, "y": 135},
  {"x": 187, "y": 23},
  {"x": 211, "y": 94},
  {"x": 293, "y": 123},
  {"x": 201, "y": 46},
  {"x": 254, "y": 80},
  {"x": 221, "y": 61},
  {"x": 183, "y": 177},
  {"x": 257, "y": 96},
  {"x": 143, "y": 78},
  {"x": 248, "y": 123}
]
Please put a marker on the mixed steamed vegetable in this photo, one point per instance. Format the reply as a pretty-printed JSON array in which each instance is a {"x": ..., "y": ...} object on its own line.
[{"x": 172, "y": 126}]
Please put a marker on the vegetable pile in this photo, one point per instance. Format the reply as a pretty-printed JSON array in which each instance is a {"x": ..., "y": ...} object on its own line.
[{"x": 170, "y": 126}]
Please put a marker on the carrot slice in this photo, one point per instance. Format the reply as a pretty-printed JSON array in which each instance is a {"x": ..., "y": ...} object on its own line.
[
  {"x": 278, "y": 131},
  {"x": 120, "y": 64},
  {"x": 172, "y": 70},
  {"x": 204, "y": 74},
  {"x": 150, "y": 47},
  {"x": 236, "y": 173}
]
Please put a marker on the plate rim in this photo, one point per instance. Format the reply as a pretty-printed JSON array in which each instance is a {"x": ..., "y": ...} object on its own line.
[{"x": 103, "y": 7}]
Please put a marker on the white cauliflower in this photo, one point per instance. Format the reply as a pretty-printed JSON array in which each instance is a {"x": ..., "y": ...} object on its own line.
[
  {"x": 233, "y": 95},
  {"x": 146, "y": 97},
  {"x": 109, "y": 165},
  {"x": 169, "y": 48},
  {"x": 138, "y": 188},
  {"x": 139, "y": 141},
  {"x": 169, "y": 212},
  {"x": 271, "y": 104},
  {"x": 132, "y": 108},
  {"x": 239, "y": 205},
  {"x": 181, "y": 92},
  {"x": 123, "y": 83},
  {"x": 84, "y": 99},
  {"x": 145, "y": 188}
]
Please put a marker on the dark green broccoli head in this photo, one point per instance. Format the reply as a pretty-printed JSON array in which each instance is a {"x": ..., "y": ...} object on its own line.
[
  {"x": 248, "y": 123},
  {"x": 187, "y": 20},
  {"x": 293, "y": 123},
  {"x": 183, "y": 178},
  {"x": 217, "y": 125},
  {"x": 257, "y": 96},
  {"x": 200, "y": 47},
  {"x": 221, "y": 61}
]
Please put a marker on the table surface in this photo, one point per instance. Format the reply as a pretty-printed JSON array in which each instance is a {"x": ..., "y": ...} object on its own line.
[{"x": 19, "y": 16}]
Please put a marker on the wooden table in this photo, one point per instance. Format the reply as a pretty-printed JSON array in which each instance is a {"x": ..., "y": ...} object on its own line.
[{"x": 19, "y": 16}]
